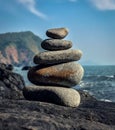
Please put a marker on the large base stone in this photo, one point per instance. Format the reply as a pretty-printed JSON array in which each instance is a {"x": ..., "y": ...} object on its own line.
[
  {"x": 57, "y": 95},
  {"x": 67, "y": 74}
]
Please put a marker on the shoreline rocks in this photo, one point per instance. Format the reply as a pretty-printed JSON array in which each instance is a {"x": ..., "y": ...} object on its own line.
[
  {"x": 56, "y": 71},
  {"x": 34, "y": 115},
  {"x": 11, "y": 84}
]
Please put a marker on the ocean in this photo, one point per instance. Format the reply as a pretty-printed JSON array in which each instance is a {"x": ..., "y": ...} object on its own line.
[{"x": 99, "y": 81}]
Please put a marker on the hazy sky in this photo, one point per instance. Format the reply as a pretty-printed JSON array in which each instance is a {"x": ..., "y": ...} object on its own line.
[{"x": 91, "y": 23}]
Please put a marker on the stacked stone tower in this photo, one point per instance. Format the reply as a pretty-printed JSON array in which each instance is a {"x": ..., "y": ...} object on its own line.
[{"x": 56, "y": 71}]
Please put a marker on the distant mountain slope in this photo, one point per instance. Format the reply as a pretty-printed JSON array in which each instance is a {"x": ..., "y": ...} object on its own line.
[{"x": 19, "y": 48}]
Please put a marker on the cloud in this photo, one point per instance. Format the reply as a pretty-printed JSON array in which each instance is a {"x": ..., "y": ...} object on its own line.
[
  {"x": 30, "y": 5},
  {"x": 104, "y": 4}
]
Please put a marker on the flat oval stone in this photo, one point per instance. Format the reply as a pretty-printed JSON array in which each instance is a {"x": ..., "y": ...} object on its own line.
[
  {"x": 67, "y": 74},
  {"x": 57, "y": 57},
  {"x": 57, "y": 33},
  {"x": 56, "y": 44},
  {"x": 60, "y": 96}
]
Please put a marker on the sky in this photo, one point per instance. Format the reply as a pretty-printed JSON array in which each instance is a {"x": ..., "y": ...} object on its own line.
[{"x": 91, "y": 24}]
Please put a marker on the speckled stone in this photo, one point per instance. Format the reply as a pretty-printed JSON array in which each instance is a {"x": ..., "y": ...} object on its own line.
[
  {"x": 57, "y": 57},
  {"x": 56, "y": 44},
  {"x": 57, "y": 33},
  {"x": 61, "y": 96},
  {"x": 67, "y": 74}
]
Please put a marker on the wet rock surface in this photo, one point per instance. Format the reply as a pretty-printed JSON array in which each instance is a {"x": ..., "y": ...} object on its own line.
[{"x": 34, "y": 115}]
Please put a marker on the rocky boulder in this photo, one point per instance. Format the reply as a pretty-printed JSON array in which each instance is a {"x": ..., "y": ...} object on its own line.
[
  {"x": 67, "y": 74},
  {"x": 57, "y": 95},
  {"x": 11, "y": 84}
]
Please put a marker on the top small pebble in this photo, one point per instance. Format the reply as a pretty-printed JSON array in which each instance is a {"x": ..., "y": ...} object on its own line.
[{"x": 57, "y": 33}]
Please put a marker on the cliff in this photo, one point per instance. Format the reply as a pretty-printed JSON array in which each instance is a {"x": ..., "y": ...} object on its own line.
[{"x": 19, "y": 48}]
